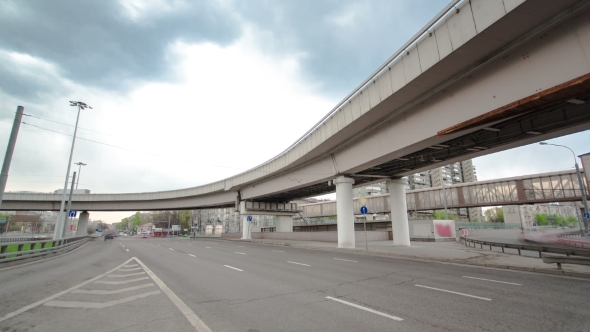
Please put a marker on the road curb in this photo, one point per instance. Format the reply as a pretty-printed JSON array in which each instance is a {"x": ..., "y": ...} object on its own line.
[{"x": 428, "y": 259}]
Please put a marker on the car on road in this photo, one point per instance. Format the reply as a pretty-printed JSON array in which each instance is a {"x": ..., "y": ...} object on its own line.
[{"x": 108, "y": 236}]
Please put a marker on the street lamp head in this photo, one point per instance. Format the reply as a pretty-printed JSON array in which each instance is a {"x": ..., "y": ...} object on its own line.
[
  {"x": 542, "y": 143},
  {"x": 80, "y": 104}
]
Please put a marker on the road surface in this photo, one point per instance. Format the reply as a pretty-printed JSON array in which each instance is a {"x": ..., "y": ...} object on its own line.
[{"x": 131, "y": 284}]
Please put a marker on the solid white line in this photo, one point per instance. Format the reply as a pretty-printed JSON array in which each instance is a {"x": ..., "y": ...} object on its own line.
[
  {"x": 241, "y": 253},
  {"x": 106, "y": 292},
  {"x": 365, "y": 308},
  {"x": 130, "y": 265},
  {"x": 192, "y": 255},
  {"x": 127, "y": 270},
  {"x": 195, "y": 321},
  {"x": 277, "y": 251},
  {"x": 448, "y": 291},
  {"x": 502, "y": 282},
  {"x": 97, "y": 305},
  {"x": 346, "y": 260},
  {"x": 38, "y": 303},
  {"x": 170, "y": 248},
  {"x": 124, "y": 275},
  {"x": 119, "y": 282},
  {"x": 231, "y": 267},
  {"x": 298, "y": 263}
]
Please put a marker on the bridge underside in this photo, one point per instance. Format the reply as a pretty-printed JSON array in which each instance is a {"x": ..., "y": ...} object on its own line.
[{"x": 550, "y": 112}]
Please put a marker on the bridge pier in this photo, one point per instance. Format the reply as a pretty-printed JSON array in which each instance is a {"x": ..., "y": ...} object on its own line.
[
  {"x": 246, "y": 232},
  {"x": 284, "y": 224},
  {"x": 82, "y": 223},
  {"x": 399, "y": 216},
  {"x": 344, "y": 212}
]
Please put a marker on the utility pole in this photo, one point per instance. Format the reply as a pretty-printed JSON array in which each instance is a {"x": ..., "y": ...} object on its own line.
[
  {"x": 69, "y": 206},
  {"x": 10, "y": 150}
]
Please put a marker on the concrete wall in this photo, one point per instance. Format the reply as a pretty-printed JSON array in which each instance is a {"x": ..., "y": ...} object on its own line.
[{"x": 311, "y": 236}]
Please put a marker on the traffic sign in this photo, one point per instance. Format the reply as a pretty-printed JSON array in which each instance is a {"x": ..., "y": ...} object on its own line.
[
  {"x": 73, "y": 213},
  {"x": 249, "y": 218},
  {"x": 363, "y": 200},
  {"x": 364, "y": 210},
  {"x": 586, "y": 215},
  {"x": 2, "y": 221}
]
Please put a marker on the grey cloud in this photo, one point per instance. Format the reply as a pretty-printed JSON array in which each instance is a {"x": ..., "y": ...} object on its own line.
[{"x": 95, "y": 43}]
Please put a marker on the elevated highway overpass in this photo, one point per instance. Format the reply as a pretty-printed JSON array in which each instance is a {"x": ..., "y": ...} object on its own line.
[{"x": 483, "y": 76}]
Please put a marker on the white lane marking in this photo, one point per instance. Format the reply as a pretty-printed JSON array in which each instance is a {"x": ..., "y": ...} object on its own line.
[
  {"x": 346, "y": 260},
  {"x": 189, "y": 244},
  {"x": 38, "y": 303},
  {"x": 277, "y": 251},
  {"x": 127, "y": 270},
  {"x": 208, "y": 247},
  {"x": 195, "y": 321},
  {"x": 127, "y": 249},
  {"x": 170, "y": 248},
  {"x": 448, "y": 291},
  {"x": 97, "y": 305},
  {"x": 502, "y": 282},
  {"x": 192, "y": 255},
  {"x": 124, "y": 275},
  {"x": 106, "y": 292},
  {"x": 119, "y": 282},
  {"x": 123, "y": 245},
  {"x": 240, "y": 246},
  {"x": 364, "y": 308},
  {"x": 231, "y": 267},
  {"x": 298, "y": 263},
  {"x": 130, "y": 265},
  {"x": 159, "y": 245},
  {"x": 241, "y": 253},
  {"x": 175, "y": 242}
]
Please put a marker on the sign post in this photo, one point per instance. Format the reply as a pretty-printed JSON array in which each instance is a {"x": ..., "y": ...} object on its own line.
[{"x": 364, "y": 211}]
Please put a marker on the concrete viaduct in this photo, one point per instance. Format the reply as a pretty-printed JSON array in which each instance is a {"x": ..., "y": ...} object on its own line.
[{"x": 481, "y": 77}]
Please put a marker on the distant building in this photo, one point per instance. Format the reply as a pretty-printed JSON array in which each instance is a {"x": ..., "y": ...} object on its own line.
[{"x": 459, "y": 172}]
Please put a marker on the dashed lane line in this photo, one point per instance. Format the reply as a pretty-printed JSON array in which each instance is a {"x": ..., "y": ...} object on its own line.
[
  {"x": 448, "y": 291},
  {"x": 502, "y": 282},
  {"x": 124, "y": 275},
  {"x": 241, "y": 253},
  {"x": 298, "y": 263},
  {"x": 192, "y": 255},
  {"x": 277, "y": 250},
  {"x": 235, "y": 268},
  {"x": 170, "y": 248},
  {"x": 346, "y": 260},
  {"x": 38, "y": 303},
  {"x": 364, "y": 308},
  {"x": 120, "y": 282},
  {"x": 127, "y": 249},
  {"x": 106, "y": 292},
  {"x": 208, "y": 247}
]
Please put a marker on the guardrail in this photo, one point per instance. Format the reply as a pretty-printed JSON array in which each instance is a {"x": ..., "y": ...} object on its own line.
[
  {"x": 519, "y": 247},
  {"x": 11, "y": 251},
  {"x": 22, "y": 239}
]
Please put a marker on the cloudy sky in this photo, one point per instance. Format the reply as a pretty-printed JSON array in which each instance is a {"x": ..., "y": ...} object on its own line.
[{"x": 189, "y": 92}]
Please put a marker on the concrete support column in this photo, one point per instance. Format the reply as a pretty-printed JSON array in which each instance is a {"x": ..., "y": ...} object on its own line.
[
  {"x": 82, "y": 223},
  {"x": 344, "y": 212},
  {"x": 284, "y": 224},
  {"x": 246, "y": 234},
  {"x": 399, "y": 215}
]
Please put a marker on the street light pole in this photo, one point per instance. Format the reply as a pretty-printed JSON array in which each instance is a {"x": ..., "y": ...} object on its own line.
[
  {"x": 61, "y": 217},
  {"x": 80, "y": 164},
  {"x": 581, "y": 183}
]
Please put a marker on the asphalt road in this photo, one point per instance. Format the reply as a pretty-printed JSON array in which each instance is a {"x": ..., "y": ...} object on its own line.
[{"x": 131, "y": 284}]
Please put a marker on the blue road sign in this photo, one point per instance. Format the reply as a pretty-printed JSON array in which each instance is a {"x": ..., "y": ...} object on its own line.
[
  {"x": 586, "y": 215},
  {"x": 195, "y": 224},
  {"x": 249, "y": 218},
  {"x": 364, "y": 210},
  {"x": 73, "y": 213}
]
